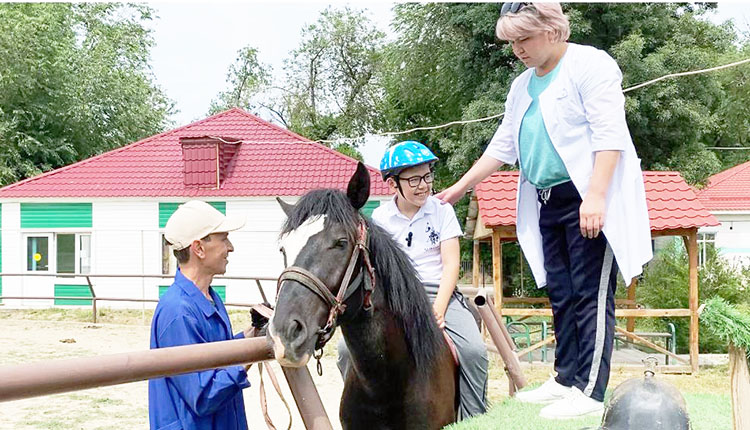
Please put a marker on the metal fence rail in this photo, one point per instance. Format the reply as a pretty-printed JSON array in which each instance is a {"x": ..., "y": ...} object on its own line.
[{"x": 94, "y": 298}]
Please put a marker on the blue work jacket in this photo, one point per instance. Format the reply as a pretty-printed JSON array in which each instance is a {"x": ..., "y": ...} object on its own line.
[{"x": 206, "y": 400}]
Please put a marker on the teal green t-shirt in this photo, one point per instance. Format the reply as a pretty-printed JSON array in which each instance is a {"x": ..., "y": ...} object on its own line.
[{"x": 540, "y": 162}]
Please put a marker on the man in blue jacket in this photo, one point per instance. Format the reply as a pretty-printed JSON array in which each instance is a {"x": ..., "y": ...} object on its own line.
[{"x": 191, "y": 312}]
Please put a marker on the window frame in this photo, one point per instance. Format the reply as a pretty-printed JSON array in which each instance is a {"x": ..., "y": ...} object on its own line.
[
  {"x": 52, "y": 251},
  {"x": 703, "y": 239},
  {"x": 51, "y": 258}
]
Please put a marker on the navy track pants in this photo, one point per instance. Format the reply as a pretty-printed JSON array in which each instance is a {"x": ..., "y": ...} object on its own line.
[{"x": 581, "y": 282}]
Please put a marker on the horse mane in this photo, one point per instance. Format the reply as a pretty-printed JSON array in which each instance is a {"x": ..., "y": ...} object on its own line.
[{"x": 395, "y": 275}]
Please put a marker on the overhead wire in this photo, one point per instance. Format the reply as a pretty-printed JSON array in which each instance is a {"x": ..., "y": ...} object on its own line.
[{"x": 470, "y": 121}]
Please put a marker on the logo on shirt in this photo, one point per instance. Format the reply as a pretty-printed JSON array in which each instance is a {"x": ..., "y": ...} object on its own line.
[{"x": 432, "y": 234}]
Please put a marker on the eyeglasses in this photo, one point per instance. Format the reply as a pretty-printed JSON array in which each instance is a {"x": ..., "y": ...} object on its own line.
[
  {"x": 414, "y": 181},
  {"x": 512, "y": 7}
]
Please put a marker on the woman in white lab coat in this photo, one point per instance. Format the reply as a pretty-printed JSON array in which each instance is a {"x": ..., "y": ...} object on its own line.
[{"x": 581, "y": 205}]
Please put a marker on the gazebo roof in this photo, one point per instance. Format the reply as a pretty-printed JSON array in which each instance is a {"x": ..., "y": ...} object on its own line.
[{"x": 672, "y": 204}]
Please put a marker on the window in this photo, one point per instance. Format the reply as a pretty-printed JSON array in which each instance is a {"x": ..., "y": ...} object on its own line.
[
  {"x": 70, "y": 252},
  {"x": 37, "y": 253},
  {"x": 168, "y": 260},
  {"x": 705, "y": 240}
]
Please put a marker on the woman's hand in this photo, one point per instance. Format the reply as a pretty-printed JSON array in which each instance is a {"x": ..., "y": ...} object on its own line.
[
  {"x": 591, "y": 214},
  {"x": 451, "y": 194}
]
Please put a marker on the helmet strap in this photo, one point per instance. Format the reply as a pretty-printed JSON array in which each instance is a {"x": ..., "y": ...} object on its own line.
[{"x": 398, "y": 185}]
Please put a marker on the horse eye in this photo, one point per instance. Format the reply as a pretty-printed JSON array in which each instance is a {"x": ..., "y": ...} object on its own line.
[{"x": 341, "y": 243}]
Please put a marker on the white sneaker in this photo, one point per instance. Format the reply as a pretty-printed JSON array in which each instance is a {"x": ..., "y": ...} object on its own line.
[
  {"x": 549, "y": 392},
  {"x": 574, "y": 405}
]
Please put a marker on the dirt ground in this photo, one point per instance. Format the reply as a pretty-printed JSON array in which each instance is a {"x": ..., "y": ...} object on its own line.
[{"x": 126, "y": 406}]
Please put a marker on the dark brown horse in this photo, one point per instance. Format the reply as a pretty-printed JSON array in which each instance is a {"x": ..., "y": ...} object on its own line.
[{"x": 402, "y": 374}]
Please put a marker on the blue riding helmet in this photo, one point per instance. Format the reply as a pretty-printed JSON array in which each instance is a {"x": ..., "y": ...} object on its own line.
[{"x": 404, "y": 155}]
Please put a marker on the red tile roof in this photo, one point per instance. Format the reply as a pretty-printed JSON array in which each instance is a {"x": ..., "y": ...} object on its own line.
[
  {"x": 728, "y": 190},
  {"x": 671, "y": 202},
  {"x": 271, "y": 161}
]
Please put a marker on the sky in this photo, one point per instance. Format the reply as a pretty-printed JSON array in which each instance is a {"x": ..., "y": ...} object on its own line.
[{"x": 196, "y": 42}]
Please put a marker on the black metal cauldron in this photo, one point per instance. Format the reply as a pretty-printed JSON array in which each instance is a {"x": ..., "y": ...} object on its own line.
[{"x": 646, "y": 404}]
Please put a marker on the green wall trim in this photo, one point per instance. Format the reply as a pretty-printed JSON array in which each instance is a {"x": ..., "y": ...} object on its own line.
[
  {"x": 56, "y": 215},
  {"x": 369, "y": 207},
  {"x": 166, "y": 210},
  {"x": 221, "y": 290},
  {"x": 72, "y": 291}
]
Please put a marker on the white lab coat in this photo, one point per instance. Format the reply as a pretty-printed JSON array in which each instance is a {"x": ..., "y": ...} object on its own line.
[{"x": 583, "y": 111}]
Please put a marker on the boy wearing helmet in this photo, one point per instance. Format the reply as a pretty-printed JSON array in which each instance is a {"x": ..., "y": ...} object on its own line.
[{"x": 428, "y": 232}]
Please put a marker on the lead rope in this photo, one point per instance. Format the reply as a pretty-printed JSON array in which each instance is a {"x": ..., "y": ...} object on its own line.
[
  {"x": 266, "y": 311},
  {"x": 263, "y": 402}
]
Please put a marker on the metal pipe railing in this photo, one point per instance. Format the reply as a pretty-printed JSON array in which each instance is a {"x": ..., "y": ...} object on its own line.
[
  {"x": 59, "y": 376},
  {"x": 94, "y": 299}
]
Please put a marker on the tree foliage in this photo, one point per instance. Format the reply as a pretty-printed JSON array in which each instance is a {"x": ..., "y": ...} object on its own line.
[
  {"x": 246, "y": 77},
  {"x": 74, "y": 82},
  {"x": 331, "y": 88},
  {"x": 446, "y": 64},
  {"x": 666, "y": 280}
]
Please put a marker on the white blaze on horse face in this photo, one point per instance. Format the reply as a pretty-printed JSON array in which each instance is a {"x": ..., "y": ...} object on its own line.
[{"x": 295, "y": 240}]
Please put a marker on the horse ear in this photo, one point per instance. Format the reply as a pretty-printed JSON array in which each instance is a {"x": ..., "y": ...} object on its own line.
[
  {"x": 358, "y": 190},
  {"x": 286, "y": 207}
]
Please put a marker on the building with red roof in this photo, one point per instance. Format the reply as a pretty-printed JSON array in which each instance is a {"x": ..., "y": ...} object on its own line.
[
  {"x": 727, "y": 197},
  {"x": 106, "y": 214}
]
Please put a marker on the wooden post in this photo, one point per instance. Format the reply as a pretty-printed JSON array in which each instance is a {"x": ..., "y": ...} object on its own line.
[
  {"x": 740, "y": 383},
  {"x": 631, "y": 296},
  {"x": 497, "y": 269},
  {"x": 691, "y": 243},
  {"x": 475, "y": 265},
  {"x": 93, "y": 299}
]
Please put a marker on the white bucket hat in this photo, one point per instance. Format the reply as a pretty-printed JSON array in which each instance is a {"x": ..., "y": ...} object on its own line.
[{"x": 195, "y": 220}]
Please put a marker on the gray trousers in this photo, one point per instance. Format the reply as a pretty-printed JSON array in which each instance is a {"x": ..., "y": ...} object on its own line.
[{"x": 472, "y": 354}]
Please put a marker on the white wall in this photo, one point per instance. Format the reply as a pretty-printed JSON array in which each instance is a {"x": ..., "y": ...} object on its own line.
[
  {"x": 733, "y": 236},
  {"x": 13, "y": 260},
  {"x": 126, "y": 239},
  {"x": 256, "y": 252}
]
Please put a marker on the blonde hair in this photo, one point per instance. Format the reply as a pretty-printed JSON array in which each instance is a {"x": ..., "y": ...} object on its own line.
[{"x": 534, "y": 18}]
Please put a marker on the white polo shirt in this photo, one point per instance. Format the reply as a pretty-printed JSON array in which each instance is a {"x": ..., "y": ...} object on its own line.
[{"x": 431, "y": 225}]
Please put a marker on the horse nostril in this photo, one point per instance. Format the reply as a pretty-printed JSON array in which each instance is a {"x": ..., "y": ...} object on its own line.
[{"x": 295, "y": 329}]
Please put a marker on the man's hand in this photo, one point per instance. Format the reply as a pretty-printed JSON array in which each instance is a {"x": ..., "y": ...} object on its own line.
[
  {"x": 258, "y": 324},
  {"x": 591, "y": 214}
]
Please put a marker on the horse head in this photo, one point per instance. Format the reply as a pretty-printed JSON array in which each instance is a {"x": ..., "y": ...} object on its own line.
[{"x": 323, "y": 232}]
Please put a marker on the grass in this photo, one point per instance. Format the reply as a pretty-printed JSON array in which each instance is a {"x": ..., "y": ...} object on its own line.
[
  {"x": 706, "y": 396},
  {"x": 707, "y": 412}
]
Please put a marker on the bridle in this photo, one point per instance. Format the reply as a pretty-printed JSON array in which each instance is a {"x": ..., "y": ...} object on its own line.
[{"x": 336, "y": 304}]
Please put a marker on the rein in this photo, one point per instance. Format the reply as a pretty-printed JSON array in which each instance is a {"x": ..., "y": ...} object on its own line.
[{"x": 336, "y": 304}]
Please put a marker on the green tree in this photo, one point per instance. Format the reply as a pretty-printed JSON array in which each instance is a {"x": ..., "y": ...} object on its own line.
[
  {"x": 246, "y": 77},
  {"x": 74, "y": 82},
  {"x": 446, "y": 64},
  {"x": 331, "y": 88}
]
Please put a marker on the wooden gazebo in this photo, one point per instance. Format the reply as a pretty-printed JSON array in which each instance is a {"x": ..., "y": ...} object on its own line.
[{"x": 674, "y": 210}]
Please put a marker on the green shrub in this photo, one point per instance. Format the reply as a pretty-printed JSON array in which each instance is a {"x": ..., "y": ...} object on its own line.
[{"x": 665, "y": 284}]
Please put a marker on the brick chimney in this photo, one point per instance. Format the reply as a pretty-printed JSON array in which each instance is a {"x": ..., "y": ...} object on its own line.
[{"x": 207, "y": 160}]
